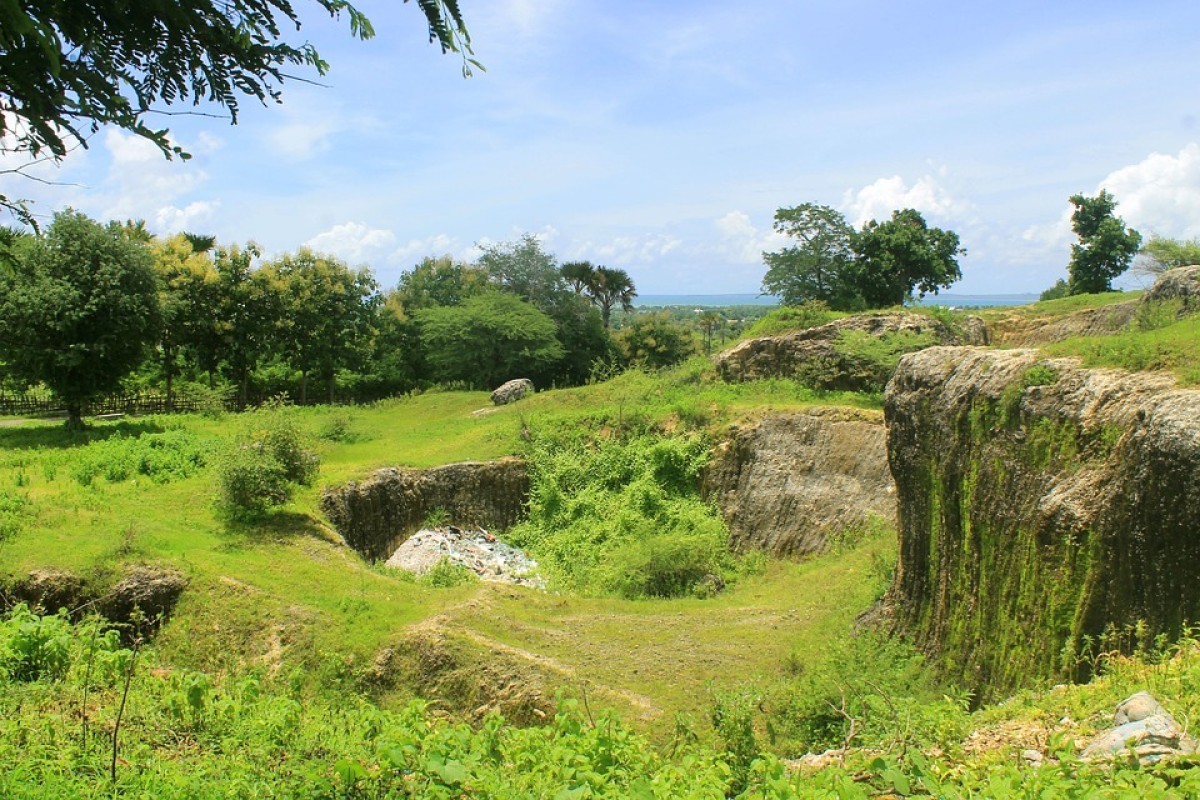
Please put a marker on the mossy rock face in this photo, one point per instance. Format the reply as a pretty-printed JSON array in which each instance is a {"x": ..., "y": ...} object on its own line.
[
  {"x": 854, "y": 354},
  {"x": 376, "y": 515},
  {"x": 1043, "y": 509}
]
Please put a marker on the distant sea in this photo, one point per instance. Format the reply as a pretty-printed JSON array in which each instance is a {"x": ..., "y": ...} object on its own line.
[{"x": 709, "y": 300}]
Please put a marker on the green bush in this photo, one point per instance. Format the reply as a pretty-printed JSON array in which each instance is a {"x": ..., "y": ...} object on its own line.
[
  {"x": 623, "y": 517},
  {"x": 33, "y": 647},
  {"x": 446, "y": 574},
  {"x": 262, "y": 465}
]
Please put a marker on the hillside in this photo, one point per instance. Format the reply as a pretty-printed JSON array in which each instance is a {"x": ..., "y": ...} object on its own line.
[{"x": 782, "y": 658}]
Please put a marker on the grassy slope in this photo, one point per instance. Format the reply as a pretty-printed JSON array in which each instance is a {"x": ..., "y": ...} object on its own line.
[{"x": 286, "y": 593}]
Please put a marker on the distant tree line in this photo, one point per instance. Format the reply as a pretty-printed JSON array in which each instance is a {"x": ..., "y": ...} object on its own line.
[{"x": 88, "y": 308}]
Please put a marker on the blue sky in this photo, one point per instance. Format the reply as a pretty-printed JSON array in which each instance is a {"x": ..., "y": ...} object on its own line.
[{"x": 660, "y": 137}]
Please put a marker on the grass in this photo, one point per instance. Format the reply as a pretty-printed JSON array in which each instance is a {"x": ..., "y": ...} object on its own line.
[
  {"x": 1058, "y": 308},
  {"x": 283, "y": 592},
  {"x": 1171, "y": 348}
]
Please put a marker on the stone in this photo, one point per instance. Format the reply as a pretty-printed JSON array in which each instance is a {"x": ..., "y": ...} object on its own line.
[
  {"x": 143, "y": 598},
  {"x": 1137, "y": 707},
  {"x": 1148, "y": 740},
  {"x": 1180, "y": 284},
  {"x": 512, "y": 391}
]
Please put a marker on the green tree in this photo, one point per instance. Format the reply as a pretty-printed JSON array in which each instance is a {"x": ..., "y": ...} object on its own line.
[
  {"x": 69, "y": 66},
  {"x": 1105, "y": 248},
  {"x": 187, "y": 285},
  {"x": 523, "y": 268},
  {"x": 244, "y": 318},
  {"x": 489, "y": 339},
  {"x": 326, "y": 314},
  {"x": 578, "y": 274},
  {"x": 608, "y": 288},
  {"x": 1161, "y": 254},
  {"x": 820, "y": 265},
  {"x": 903, "y": 256},
  {"x": 439, "y": 282},
  {"x": 78, "y": 308},
  {"x": 653, "y": 340}
]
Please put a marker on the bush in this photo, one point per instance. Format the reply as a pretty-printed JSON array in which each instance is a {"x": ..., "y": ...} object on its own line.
[
  {"x": 33, "y": 647},
  {"x": 260, "y": 468},
  {"x": 446, "y": 574}
]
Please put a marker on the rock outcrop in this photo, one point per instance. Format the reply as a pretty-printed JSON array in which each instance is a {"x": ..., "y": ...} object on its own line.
[
  {"x": 788, "y": 482},
  {"x": 857, "y": 353},
  {"x": 1180, "y": 285},
  {"x": 375, "y": 515},
  {"x": 1036, "y": 497},
  {"x": 512, "y": 391},
  {"x": 1142, "y": 729},
  {"x": 1020, "y": 331}
]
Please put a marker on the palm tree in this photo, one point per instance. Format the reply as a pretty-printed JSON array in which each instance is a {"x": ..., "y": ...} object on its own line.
[
  {"x": 579, "y": 274},
  {"x": 610, "y": 287}
]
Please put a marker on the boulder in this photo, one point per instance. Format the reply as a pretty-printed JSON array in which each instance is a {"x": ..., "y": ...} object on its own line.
[
  {"x": 1181, "y": 285},
  {"x": 143, "y": 598},
  {"x": 512, "y": 391},
  {"x": 48, "y": 591}
]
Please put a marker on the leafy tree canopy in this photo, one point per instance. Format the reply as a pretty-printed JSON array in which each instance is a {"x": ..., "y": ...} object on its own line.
[
  {"x": 1105, "y": 248},
  {"x": 610, "y": 287},
  {"x": 78, "y": 307},
  {"x": 489, "y": 339},
  {"x": 902, "y": 257},
  {"x": 68, "y": 67},
  {"x": 819, "y": 266},
  {"x": 439, "y": 282},
  {"x": 1161, "y": 254},
  {"x": 523, "y": 268}
]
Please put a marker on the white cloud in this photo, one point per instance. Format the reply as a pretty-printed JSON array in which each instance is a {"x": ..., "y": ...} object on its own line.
[
  {"x": 1160, "y": 193},
  {"x": 626, "y": 250},
  {"x": 412, "y": 251},
  {"x": 742, "y": 241},
  {"x": 171, "y": 219},
  {"x": 143, "y": 184},
  {"x": 879, "y": 199},
  {"x": 302, "y": 140},
  {"x": 354, "y": 242}
]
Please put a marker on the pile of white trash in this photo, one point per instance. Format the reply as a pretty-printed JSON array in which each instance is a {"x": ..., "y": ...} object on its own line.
[{"x": 477, "y": 550}]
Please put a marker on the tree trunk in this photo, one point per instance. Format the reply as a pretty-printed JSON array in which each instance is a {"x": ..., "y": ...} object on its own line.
[
  {"x": 303, "y": 387},
  {"x": 74, "y": 417}
]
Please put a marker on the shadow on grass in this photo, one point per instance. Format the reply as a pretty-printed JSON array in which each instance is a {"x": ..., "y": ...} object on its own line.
[
  {"x": 32, "y": 437},
  {"x": 278, "y": 527}
]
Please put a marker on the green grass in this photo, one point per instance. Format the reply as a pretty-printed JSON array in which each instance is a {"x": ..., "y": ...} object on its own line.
[
  {"x": 1058, "y": 308},
  {"x": 1173, "y": 348}
]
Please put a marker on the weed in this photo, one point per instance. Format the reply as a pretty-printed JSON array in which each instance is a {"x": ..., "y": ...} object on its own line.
[{"x": 447, "y": 574}]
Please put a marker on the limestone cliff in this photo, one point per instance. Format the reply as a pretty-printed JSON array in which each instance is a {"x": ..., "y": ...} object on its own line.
[
  {"x": 787, "y": 482},
  {"x": 855, "y": 354},
  {"x": 376, "y": 515},
  {"x": 1040, "y": 506}
]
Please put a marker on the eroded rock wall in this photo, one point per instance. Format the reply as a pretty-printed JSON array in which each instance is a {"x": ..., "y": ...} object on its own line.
[
  {"x": 788, "y": 482},
  {"x": 1040, "y": 505},
  {"x": 376, "y": 515}
]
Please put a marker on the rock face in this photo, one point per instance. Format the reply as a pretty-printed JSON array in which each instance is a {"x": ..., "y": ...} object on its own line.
[
  {"x": 1036, "y": 496},
  {"x": 853, "y": 354},
  {"x": 375, "y": 515},
  {"x": 1017, "y": 331},
  {"x": 788, "y": 482},
  {"x": 1181, "y": 284},
  {"x": 512, "y": 391},
  {"x": 140, "y": 599}
]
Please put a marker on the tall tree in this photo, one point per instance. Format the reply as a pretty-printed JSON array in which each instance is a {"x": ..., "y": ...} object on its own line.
[
  {"x": 609, "y": 288},
  {"x": 523, "y": 268},
  {"x": 487, "y": 340},
  {"x": 902, "y": 257},
  {"x": 1105, "y": 248},
  {"x": 245, "y": 317},
  {"x": 820, "y": 265},
  {"x": 78, "y": 308},
  {"x": 69, "y": 66},
  {"x": 327, "y": 314},
  {"x": 187, "y": 285},
  {"x": 578, "y": 275},
  {"x": 439, "y": 282}
]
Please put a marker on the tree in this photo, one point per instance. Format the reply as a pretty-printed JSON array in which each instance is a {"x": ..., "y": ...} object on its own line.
[
  {"x": 901, "y": 256},
  {"x": 489, "y": 339},
  {"x": 578, "y": 274},
  {"x": 186, "y": 295},
  {"x": 1161, "y": 254},
  {"x": 78, "y": 308},
  {"x": 244, "y": 318},
  {"x": 820, "y": 266},
  {"x": 610, "y": 287},
  {"x": 68, "y": 67},
  {"x": 523, "y": 268},
  {"x": 653, "y": 340},
  {"x": 1105, "y": 248},
  {"x": 327, "y": 314},
  {"x": 439, "y": 282}
]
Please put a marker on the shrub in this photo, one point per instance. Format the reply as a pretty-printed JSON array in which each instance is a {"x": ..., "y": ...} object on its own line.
[
  {"x": 261, "y": 466},
  {"x": 446, "y": 574},
  {"x": 33, "y": 647}
]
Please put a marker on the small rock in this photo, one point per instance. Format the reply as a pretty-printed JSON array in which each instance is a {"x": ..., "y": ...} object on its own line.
[
  {"x": 1033, "y": 758},
  {"x": 512, "y": 391}
]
